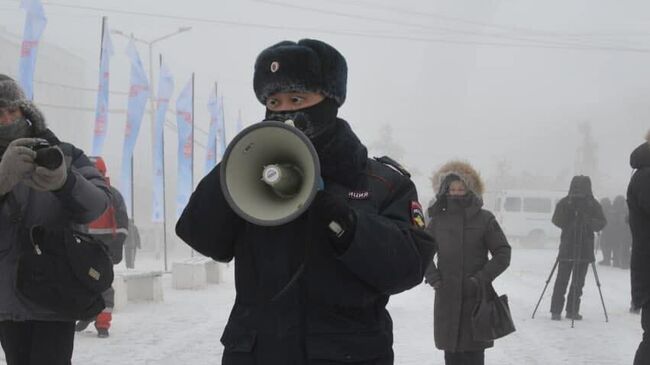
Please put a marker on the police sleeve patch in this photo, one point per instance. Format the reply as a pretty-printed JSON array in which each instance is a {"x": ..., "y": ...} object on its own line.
[{"x": 417, "y": 215}]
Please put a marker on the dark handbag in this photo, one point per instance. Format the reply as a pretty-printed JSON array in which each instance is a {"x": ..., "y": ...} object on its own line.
[
  {"x": 62, "y": 270},
  {"x": 491, "y": 318}
]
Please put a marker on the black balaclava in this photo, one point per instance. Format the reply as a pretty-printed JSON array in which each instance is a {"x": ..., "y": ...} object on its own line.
[{"x": 317, "y": 122}]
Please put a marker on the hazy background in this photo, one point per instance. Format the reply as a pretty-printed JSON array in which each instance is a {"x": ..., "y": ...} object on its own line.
[{"x": 502, "y": 84}]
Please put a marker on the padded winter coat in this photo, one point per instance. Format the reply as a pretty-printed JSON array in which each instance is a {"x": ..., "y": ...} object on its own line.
[{"x": 464, "y": 234}]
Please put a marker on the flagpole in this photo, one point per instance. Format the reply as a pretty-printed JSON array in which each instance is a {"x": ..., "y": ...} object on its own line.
[
  {"x": 192, "y": 159},
  {"x": 216, "y": 137},
  {"x": 101, "y": 47},
  {"x": 132, "y": 180},
  {"x": 162, "y": 141}
]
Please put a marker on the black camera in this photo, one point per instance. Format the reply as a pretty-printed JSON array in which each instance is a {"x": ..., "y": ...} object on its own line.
[{"x": 46, "y": 155}]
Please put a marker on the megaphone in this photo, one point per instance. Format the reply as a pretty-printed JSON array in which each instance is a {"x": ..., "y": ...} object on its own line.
[{"x": 270, "y": 173}]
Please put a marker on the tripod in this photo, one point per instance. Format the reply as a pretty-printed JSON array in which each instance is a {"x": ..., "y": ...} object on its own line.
[{"x": 576, "y": 260}]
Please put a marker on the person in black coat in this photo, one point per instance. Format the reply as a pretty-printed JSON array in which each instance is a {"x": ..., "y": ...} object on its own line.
[
  {"x": 305, "y": 295},
  {"x": 638, "y": 201},
  {"x": 578, "y": 215}
]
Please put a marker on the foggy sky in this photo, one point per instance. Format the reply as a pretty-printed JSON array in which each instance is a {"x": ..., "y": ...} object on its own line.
[{"x": 457, "y": 94}]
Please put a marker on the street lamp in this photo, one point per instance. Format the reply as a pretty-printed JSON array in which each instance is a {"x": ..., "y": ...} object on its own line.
[{"x": 152, "y": 99}]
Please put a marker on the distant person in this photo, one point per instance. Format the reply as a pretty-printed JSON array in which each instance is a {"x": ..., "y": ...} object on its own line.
[
  {"x": 73, "y": 193},
  {"x": 464, "y": 235},
  {"x": 638, "y": 201},
  {"x": 112, "y": 229},
  {"x": 131, "y": 245},
  {"x": 607, "y": 238},
  {"x": 621, "y": 235},
  {"x": 578, "y": 215}
]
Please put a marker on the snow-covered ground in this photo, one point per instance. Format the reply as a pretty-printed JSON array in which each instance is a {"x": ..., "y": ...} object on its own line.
[{"x": 185, "y": 328}]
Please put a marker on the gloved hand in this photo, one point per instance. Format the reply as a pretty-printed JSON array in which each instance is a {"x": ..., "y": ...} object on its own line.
[
  {"x": 44, "y": 179},
  {"x": 16, "y": 163},
  {"x": 336, "y": 217}
]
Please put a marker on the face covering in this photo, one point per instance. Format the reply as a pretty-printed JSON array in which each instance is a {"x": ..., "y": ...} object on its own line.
[
  {"x": 317, "y": 122},
  {"x": 9, "y": 132}
]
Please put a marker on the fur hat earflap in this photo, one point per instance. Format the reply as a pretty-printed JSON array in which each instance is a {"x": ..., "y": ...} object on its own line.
[
  {"x": 464, "y": 171},
  {"x": 307, "y": 66},
  {"x": 34, "y": 115}
]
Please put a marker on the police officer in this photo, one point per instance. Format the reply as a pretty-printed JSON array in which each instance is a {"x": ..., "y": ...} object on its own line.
[{"x": 306, "y": 295}]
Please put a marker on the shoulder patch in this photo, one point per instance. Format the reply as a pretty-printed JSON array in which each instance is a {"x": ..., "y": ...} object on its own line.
[
  {"x": 393, "y": 164},
  {"x": 417, "y": 215}
]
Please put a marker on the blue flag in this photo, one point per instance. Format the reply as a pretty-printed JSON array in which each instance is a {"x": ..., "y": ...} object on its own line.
[
  {"x": 35, "y": 22},
  {"x": 101, "y": 112},
  {"x": 165, "y": 89},
  {"x": 211, "y": 148},
  {"x": 184, "y": 121},
  {"x": 221, "y": 132},
  {"x": 138, "y": 96}
]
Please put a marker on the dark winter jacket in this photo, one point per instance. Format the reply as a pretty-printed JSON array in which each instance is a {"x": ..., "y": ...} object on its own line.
[
  {"x": 464, "y": 234},
  {"x": 336, "y": 311},
  {"x": 83, "y": 197},
  {"x": 578, "y": 215},
  {"x": 638, "y": 200},
  {"x": 114, "y": 229}
]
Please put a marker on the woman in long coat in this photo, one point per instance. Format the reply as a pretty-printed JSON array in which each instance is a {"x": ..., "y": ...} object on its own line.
[{"x": 464, "y": 234}]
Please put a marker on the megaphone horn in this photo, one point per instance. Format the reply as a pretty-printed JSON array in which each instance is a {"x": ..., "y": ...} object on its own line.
[{"x": 270, "y": 173}]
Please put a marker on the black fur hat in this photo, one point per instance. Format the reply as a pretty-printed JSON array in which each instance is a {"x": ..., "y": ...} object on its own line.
[{"x": 309, "y": 65}]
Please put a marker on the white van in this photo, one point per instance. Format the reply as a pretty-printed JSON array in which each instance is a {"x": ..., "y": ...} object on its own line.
[{"x": 525, "y": 215}]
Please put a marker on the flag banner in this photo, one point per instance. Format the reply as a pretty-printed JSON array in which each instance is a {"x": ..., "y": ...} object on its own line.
[
  {"x": 184, "y": 121},
  {"x": 35, "y": 22},
  {"x": 101, "y": 111},
  {"x": 165, "y": 89},
  {"x": 221, "y": 132},
  {"x": 211, "y": 146},
  {"x": 138, "y": 96}
]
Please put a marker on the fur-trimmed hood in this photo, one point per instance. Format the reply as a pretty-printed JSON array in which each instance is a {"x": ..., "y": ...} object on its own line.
[{"x": 464, "y": 171}]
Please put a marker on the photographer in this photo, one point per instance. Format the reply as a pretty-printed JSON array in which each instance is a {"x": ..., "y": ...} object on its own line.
[
  {"x": 578, "y": 215},
  {"x": 71, "y": 193}
]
